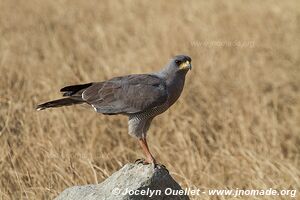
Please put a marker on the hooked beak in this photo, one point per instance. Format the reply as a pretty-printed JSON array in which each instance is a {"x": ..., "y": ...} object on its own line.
[
  {"x": 186, "y": 66},
  {"x": 190, "y": 66}
]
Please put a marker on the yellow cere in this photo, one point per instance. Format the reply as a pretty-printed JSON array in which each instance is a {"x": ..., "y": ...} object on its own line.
[{"x": 185, "y": 65}]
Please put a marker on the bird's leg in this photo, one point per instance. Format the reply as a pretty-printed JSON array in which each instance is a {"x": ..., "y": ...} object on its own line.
[
  {"x": 144, "y": 145},
  {"x": 149, "y": 158}
]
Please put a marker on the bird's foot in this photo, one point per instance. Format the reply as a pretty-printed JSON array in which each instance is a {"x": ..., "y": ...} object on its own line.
[
  {"x": 145, "y": 161},
  {"x": 154, "y": 164},
  {"x": 141, "y": 161}
]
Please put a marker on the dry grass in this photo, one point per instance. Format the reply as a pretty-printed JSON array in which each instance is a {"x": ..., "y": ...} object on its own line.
[{"x": 236, "y": 125}]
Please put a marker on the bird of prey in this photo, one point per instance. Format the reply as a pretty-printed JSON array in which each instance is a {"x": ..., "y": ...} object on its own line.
[{"x": 141, "y": 97}]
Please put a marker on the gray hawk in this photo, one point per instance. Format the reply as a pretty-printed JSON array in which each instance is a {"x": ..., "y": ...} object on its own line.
[{"x": 141, "y": 97}]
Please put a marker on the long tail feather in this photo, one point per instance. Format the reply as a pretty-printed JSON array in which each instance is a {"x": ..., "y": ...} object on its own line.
[
  {"x": 59, "y": 103},
  {"x": 73, "y": 89}
]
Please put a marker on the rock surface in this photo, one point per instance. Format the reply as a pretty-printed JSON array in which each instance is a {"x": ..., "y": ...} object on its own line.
[{"x": 144, "y": 180}]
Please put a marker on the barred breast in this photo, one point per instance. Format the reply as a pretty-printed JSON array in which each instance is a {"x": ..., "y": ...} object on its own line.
[{"x": 138, "y": 124}]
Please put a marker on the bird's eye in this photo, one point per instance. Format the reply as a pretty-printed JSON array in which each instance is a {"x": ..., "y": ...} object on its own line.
[{"x": 177, "y": 62}]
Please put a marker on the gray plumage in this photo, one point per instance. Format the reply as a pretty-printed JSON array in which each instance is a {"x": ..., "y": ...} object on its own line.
[
  {"x": 139, "y": 96},
  {"x": 126, "y": 94}
]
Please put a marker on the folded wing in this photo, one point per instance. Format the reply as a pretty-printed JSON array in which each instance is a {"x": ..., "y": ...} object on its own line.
[{"x": 126, "y": 94}]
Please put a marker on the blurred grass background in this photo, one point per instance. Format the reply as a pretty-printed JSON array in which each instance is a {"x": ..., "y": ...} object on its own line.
[{"x": 236, "y": 125}]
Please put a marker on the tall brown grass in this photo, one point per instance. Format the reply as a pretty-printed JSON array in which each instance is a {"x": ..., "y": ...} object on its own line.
[{"x": 236, "y": 125}]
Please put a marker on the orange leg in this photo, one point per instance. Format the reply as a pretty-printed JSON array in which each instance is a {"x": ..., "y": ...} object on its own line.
[{"x": 144, "y": 145}]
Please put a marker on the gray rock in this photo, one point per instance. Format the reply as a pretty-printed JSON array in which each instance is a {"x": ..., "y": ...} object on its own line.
[{"x": 144, "y": 180}]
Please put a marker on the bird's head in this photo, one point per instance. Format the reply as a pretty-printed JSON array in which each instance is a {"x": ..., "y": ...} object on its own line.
[
  {"x": 178, "y": 65},
  {"x": 181, "y": 63}
]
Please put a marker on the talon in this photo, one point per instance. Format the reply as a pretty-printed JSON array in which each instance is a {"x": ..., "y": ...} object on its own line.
[
  {"x": 154, "y": 165},
  {"x": 139, "y": 161},
  {"x": 142, "y": 161}
]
